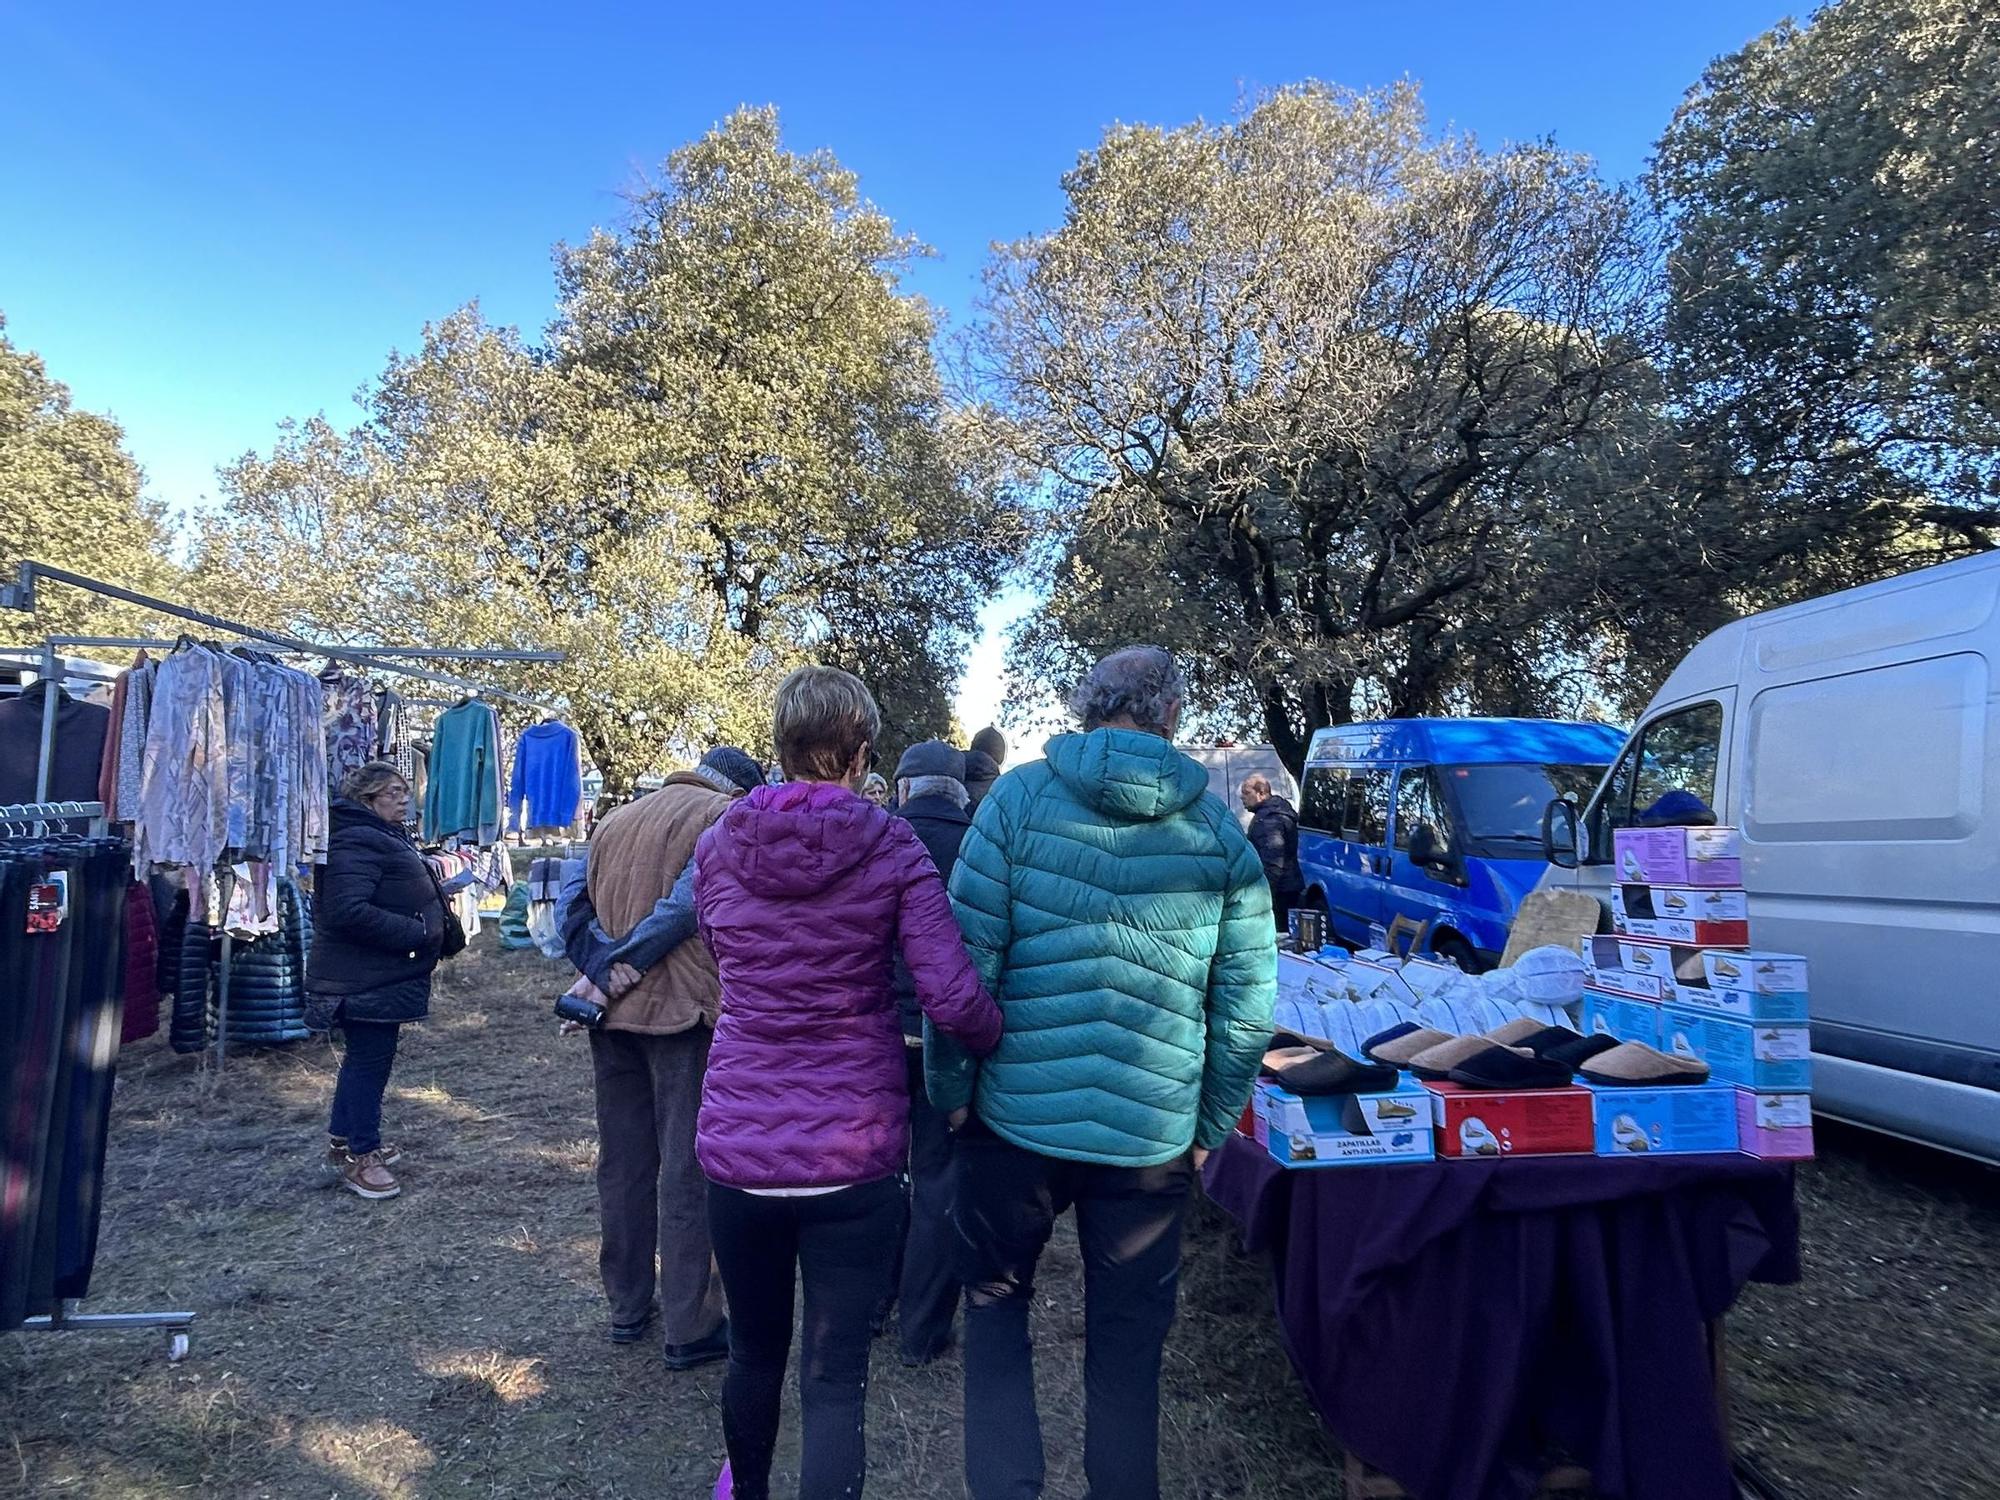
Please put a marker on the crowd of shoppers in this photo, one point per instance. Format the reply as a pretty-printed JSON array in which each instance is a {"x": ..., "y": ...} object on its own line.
[{"x": 837, "y": 1012}]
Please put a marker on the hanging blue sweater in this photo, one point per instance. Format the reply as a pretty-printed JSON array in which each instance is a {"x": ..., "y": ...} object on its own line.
[{"x": 548, "y": 777}]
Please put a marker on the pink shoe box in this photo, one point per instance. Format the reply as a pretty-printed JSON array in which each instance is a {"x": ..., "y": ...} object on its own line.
[
  {"x": 1776, "y": 1127},
  {"x": 1708, "y": 857}
]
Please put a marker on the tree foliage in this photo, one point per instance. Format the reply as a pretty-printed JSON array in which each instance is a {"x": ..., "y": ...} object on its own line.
[
  {"x": 730, "y": 455},
  {"x": 1835, "y": 312},
  {"x": 71, "y": 497},
  {"x": 1327, "y": 405}
]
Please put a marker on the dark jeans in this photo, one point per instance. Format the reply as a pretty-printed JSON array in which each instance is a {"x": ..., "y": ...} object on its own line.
[
  {"x": 835, "y": 1244},
  {"x": 927, "y": 1297},
  {"x": 364, "y": 1078},
  {"x": 1128, "y": 1221},
  {"x": 651, "y": 1196}
]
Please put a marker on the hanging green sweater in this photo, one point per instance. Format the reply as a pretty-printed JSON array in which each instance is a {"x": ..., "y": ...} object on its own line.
[
  {"x": 462, "y": 797},
  {"x": 1116, "y": 911}
]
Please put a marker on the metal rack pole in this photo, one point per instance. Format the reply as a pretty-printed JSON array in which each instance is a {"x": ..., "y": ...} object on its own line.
[
  {"x": 51, "y": 684},
  {"x": 21, "y": 596}
]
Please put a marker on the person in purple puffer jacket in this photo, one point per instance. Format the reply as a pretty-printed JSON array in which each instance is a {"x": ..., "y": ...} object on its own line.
[{"x": 804, "y": 892}]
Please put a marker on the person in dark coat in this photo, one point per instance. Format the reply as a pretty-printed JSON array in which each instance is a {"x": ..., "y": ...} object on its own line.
[
  {"x": 983, "y": 761},
  {"x": 931, "y": 797},
  {"x": 1274, "y": 834},
  {"x": 378, "y": 932}
]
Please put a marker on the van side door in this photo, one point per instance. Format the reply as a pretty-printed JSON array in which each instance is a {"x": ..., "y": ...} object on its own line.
[{"x": 1362, "y": 897}]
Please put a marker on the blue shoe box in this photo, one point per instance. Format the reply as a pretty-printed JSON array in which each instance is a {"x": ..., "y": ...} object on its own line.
[
  {"x": 1677, "y": 1119},
  {"x": 1341, "y": 1130},
  {"x": 1620, "y": 1016},
  {"x": 1766, "y": 1056}
]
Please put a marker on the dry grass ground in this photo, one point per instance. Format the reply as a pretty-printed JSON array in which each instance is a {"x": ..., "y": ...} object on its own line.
[{"x": 452, "y": 1343}]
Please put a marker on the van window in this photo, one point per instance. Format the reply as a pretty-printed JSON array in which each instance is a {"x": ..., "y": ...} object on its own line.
[
  {"x": 1367, "y": 815},
  {"x": 1323, "y": 804},
  {"x": 1678, "y": 752},
  {"x": 1417, "y": 804}
]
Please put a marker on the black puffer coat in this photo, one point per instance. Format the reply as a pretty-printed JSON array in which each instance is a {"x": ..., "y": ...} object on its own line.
[
  {"x": 378, "y": 922},
  {"x": 941, "y": 823}
]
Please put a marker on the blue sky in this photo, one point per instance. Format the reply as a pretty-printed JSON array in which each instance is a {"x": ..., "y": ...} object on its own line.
[{"x": 214, "y": 217}]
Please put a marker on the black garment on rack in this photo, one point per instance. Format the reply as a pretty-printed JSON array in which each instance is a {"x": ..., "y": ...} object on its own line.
[
  {"x": 77, "y": 756},
  {"x": 267, "y": 982},
  {"x": 61, "y": 997}
]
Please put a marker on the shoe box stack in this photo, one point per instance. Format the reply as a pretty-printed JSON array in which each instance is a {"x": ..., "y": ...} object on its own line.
[{"x": 1678, "y": 974}]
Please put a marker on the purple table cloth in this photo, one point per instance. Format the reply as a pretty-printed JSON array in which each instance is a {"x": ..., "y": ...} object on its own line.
[{"x": 1450, "y": 1320}]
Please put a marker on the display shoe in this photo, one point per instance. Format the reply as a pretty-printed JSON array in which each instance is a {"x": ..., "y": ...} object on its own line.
[
  {"x": 1436, "y": 1063},
  {"x": 1336, "y": 1073},
  {"x": 1280, "y": 1040},
  {"x": 388, "y": 1153},
  {"x": 1511, "y": 1034},
  {"x": 1401, "y": 1045},
  {"x": 701, "y": 1352},
  {"x": 1540, "y": 1041},
  {"x": 1401, "y": 1028},
  {"x": 367, "y": 1176},
  {"x": 1575, "y": 1054},
  {"x": 1280, "y": 1058},
  {"x": 1509, "y": 1068},
  {"x": 1631, "y": 1064}
]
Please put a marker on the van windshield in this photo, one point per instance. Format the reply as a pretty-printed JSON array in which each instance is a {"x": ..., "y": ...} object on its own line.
[{"x": 1500, "y": 807}]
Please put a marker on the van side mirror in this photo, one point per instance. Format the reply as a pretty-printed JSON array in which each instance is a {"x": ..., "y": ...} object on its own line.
[{"x": 1561, "y": 845}]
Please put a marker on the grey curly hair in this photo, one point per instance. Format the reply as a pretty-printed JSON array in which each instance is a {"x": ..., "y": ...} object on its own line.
[{"x": 1140, "y": 683}]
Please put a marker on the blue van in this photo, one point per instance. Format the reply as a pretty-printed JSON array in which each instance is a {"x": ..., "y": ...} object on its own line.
[{"x": 1439, "y": 820}]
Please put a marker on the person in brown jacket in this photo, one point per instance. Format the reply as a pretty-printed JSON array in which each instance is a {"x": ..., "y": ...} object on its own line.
[{"x": 625, "y": 927}]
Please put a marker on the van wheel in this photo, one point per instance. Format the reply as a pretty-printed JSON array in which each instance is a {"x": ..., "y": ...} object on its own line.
[{"x": 1456, "y": 950}]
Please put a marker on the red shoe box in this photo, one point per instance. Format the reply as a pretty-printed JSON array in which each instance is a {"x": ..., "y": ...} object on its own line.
[{"x": 1480, "y": 1124}]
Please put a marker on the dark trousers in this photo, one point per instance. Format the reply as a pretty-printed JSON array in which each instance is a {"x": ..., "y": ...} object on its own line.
[
  {"x": 651, "y": 1196},
  {"x": 834, "y": 1244},
  {"x": 927, "y": 1294},
  {"x": 1128, "y": 1221},
  {"x": 364, "y": 1078}
]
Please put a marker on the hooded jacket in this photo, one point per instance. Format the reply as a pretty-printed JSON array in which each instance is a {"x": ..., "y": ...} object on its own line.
[
  {"x": 378, "y": 922},
  {"x": 803, "y": 893},
  {"x": 1115, "y": 909}
]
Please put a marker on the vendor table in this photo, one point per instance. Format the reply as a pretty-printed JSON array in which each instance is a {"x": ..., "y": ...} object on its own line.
[{"x": 1452, "y": 1320}]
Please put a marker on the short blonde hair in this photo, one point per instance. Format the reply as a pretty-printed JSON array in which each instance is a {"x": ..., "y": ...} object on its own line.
[
  {"x": 823, "y": 716},
  {"x": 371, "y": 780}
]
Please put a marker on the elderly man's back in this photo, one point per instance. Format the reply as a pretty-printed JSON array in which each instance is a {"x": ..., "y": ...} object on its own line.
[
  {"x": 1115, "y": 908},
  {"x": 1118, "y": 914}
]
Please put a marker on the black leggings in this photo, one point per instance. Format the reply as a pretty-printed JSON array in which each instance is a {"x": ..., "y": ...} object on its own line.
[
  {"x": 364, "y": 1078},
  {"x": 842, "y": 1245}
]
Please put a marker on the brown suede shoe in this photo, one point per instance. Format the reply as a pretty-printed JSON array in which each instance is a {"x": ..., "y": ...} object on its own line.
[
  {"x": 388, "y": 1153},
  {"x": 367, "y": 1177}
]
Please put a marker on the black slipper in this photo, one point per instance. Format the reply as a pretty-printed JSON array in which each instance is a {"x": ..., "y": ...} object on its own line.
[
  {"x": 1539, "y": 1042},
  {"x": 1336, "y": 1073},
  {"x": 1436, "y": 1063},
  {"x": 1277, "y": 1059},
  {"x": 1504, "y": 1068},
  {"x": 1281, "y": 1039},
  {"x": 1575, "y": 1054}
]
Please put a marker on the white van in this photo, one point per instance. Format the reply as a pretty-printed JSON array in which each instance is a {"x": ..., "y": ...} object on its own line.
[
  {"x": 1229, "y": 766},
  {"x": 1856, "y": 742}
]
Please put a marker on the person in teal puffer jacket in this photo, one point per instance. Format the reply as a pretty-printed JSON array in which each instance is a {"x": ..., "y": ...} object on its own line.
[{"x": 1115, "y": 910}]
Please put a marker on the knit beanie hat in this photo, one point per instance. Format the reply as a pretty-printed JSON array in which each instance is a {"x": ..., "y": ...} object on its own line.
[{"x": 737, "y": 766}]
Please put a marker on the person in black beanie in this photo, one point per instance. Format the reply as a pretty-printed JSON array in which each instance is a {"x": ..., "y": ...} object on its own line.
[
  {"x": 931, "y": 796},
  {"x": 983, "y": 762}
]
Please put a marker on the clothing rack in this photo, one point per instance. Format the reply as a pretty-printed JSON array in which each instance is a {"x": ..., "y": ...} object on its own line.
[
  {"x": 65, "y": 1318},
  {"x": 21, "y": 595},
  {"x": 388, "y": 659}
]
